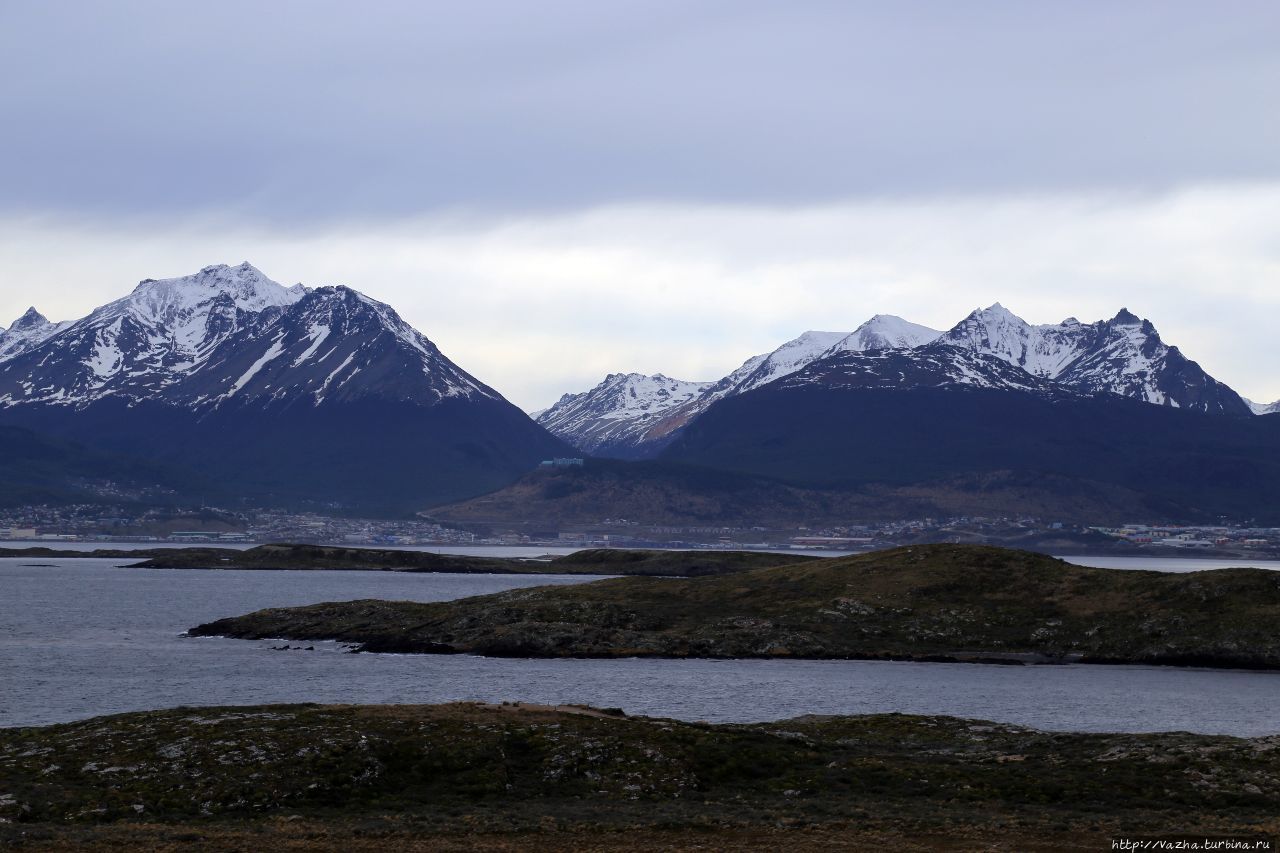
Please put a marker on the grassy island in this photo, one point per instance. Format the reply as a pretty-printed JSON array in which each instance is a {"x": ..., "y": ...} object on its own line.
[{"x": 931, "y": 602}]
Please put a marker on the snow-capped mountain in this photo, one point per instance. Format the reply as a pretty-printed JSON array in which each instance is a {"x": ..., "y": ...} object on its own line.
[
  {"x": 187, "y": 364},
  {"x": 224, "y": 333},
  {"x": 948, "y": 426},
  {"x": 633, "y": 416},
  {"x": 885, "y": 331},
  {"x": 620, "y": 411},
  {"x": 1264, "y": 408},
  {"x": 1123, "y": 356}
]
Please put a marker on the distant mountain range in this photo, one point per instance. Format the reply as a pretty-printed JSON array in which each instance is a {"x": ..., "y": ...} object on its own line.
[
  {"x": 248, "y": 390},
  {"x": 995, "y": 416},
  {"x": 228, "y": 386},
  {"x": 632, "y": 416}
]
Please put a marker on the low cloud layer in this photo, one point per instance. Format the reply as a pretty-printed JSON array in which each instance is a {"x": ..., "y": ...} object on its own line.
[
  {"x": 320, "y": 111},
  {"x": 540, "y": 304},
  {"x": 556, "y": 190}
]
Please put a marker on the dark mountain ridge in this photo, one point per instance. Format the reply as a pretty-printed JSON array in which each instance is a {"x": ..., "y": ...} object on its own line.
[{"x": 843, "y": 429}]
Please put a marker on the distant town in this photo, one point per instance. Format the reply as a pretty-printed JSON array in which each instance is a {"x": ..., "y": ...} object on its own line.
[{"x": 106, "y": 524}]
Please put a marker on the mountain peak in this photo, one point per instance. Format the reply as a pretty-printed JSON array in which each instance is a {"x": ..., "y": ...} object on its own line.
[
  {"x": 30, "y": 320},
  {"x": 998, "y": 312},
  {"x": 188, "y": 299},
  {"x": 1126, "y": 318},
  {"x": 886, "y": 331},
  {"x": 28, "y": 331}
]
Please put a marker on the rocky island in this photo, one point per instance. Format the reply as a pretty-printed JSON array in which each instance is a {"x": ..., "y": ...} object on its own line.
[
  {"x": 517, "y": 777},
  {"x": 296, "y": 557},
  {"x": 931, "y": 602}
]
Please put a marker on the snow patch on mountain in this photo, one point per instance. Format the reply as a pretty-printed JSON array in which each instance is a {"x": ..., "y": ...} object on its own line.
[
  {"x": 270, "y": 355},
  {"x": 1264, "y": 408},
  {"x": 106, "y": 360},
  {"x": 318, "y": 333}
]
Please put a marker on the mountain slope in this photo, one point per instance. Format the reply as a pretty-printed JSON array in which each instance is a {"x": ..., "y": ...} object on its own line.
[
  {"x": 280, "y": 395},
  {"x": 36, "y": 469},
  {"x": 915, "y": 419},
  {"x": 1264, "y": 408}
]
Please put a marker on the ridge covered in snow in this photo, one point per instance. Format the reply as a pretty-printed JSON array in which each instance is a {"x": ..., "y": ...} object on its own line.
[
  {"x": 932, "y": 366},
  {"x": 885, "y": 331},
  {"x": 1264, "y": 408},
  {"x": 1123, "y": 356},
  {"x": 620, "y": 410},
  {"x": 785, "y": 360},
  {"x": 226, "y": 334},
  {"x": 632, "y": 415}
]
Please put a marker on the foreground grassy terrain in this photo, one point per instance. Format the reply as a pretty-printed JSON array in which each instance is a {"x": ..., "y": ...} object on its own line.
[
  {"x": 957, "y": 602},
  {"x": 470, "y": 776}
]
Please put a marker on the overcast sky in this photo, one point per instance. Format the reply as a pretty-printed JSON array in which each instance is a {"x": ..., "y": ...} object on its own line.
[{"x": 556, "y": 190}]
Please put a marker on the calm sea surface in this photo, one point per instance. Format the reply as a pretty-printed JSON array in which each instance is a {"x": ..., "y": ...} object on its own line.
[{"x": 83, "y": 637}]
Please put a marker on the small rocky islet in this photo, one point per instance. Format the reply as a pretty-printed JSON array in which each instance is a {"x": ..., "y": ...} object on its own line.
[{"x": 930, "y": 602}]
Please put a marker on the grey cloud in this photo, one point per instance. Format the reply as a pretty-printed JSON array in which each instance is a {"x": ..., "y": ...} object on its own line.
[{"x": 304, "y": 111}]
